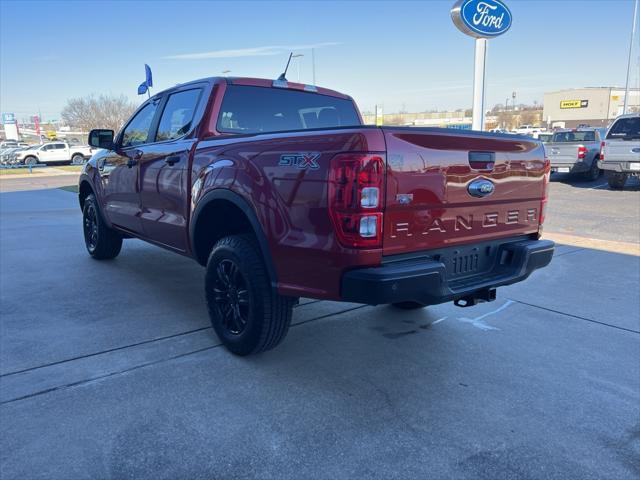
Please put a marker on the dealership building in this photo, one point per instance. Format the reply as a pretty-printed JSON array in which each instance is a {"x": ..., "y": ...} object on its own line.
[{"x": 595, "y": 106}]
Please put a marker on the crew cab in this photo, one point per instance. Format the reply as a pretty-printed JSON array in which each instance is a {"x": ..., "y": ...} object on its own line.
[
  {"x": 575, "y": 151},
  {"x": 281, "y": 192},
  {"x": 54, "y": 152},
  {"x": 620, "y": 150}
]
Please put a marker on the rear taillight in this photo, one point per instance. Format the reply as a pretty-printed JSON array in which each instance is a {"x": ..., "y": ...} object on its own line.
[
  {"x": 582, "y": 152},
  {"x": 545, "y": 193},
  {"x": 601, "y": 151},
  {"x": 356, "y": 196}
]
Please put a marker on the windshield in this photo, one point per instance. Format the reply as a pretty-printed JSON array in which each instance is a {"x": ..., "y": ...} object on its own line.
[
  {"x": 248, "y": 109},
  {"x": 625, "y": 127},
  {"x": 586, "y": 136}
]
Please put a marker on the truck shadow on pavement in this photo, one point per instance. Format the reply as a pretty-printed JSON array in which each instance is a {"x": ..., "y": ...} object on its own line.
[{"x": 576, "y": 181}]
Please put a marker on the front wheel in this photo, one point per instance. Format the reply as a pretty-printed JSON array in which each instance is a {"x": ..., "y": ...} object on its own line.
[
  {"x": 102, "y": 242},
  {"x": 616, "y": 180},
  {"x": 245, "y": 311},
  {"x": 31, "y": 161}
]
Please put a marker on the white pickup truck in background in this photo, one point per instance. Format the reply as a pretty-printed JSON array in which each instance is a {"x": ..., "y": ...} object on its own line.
[
  {"x": 620, "y": 150},
  {"x": 54, "y": 152}
]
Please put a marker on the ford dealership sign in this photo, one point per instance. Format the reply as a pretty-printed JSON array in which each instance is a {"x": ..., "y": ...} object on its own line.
[{"x": 481, "y": 18}]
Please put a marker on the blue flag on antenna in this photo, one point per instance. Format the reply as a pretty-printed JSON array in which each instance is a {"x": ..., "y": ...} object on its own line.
[{"x": 144, "y": 86}]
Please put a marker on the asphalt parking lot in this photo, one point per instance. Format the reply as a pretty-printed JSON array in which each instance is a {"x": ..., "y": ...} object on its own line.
[{"x": 110, "y": 369}]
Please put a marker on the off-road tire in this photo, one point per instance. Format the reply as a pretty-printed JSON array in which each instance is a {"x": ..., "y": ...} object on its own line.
[
  {"x": 102, "y": 242},
  {"x": 616, "y": 180},
  {"x": 408, "y": 305},
  {"x": 248, "y": 293}
]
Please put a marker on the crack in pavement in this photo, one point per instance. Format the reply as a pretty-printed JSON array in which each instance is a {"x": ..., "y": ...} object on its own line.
[
  {"x": 109, "y": 350},
  {"x": 174, "y": 357},
  {"x": 576, "y": 316},
  {"x": 136, "y": 367}
]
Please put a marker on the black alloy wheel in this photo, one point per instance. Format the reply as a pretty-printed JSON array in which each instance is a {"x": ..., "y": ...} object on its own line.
[
  {"x": 91, "y": 227},
  {"x": 231, "y": 296},
  {"x": 102, "y": 242},
  {"x": 246, "y": 311}
]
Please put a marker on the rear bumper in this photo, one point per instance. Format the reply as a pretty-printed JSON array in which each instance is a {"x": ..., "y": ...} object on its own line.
[
  {"x": 426, "y": 279},
  {"x": 620, "y": 167},
  {"x": 576, "y": 166}
]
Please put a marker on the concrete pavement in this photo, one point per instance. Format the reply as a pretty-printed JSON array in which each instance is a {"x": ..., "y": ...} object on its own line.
[{"x": 110, "y": 370}]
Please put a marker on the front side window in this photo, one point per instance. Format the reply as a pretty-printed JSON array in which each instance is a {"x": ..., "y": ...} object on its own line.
[
  {"x": 137, "y": 131},
  {"x": 247, "y": 109},
  {"x": 177, "y": 116}
]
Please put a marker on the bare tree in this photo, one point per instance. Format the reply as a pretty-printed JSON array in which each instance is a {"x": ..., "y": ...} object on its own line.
[{"x": 103, "y": 111}]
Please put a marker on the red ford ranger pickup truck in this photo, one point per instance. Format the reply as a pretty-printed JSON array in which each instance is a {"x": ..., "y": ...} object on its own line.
[{"x": 281, "y": 192}]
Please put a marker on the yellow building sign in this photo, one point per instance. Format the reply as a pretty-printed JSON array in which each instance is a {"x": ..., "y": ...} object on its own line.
[{"x": 574, "y": 103}]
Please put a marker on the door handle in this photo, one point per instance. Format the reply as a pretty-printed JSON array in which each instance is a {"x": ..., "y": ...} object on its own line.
[{"x": 172, "y": 159}]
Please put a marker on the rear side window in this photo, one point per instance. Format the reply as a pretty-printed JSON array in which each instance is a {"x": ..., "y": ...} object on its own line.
[
  {"x": 177, "y": 116},
  {"x": 248, "y": 109},
  {"x": 625, "y": 127}
]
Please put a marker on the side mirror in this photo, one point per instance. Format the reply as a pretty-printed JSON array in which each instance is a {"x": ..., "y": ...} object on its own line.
[{"x": 101, "y": 138}]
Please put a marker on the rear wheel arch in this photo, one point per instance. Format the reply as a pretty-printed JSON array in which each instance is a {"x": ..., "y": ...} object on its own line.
[{"x": 220, "y": 213}]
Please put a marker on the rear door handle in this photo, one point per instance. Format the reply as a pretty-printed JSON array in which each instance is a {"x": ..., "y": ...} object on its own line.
[{"x": 172, "y": 159}]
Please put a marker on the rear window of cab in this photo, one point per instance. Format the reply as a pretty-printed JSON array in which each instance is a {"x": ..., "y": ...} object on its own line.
[
  {"x": 249, "y": 109},
  {"x": 625, "y": 128}
]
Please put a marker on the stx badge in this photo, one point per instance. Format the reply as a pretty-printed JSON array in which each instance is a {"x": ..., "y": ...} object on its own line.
[{"x": 301, "y": 160}]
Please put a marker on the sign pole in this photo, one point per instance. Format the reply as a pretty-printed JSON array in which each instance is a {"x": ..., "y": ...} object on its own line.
[
  {"x": 481, "y": 19},
  {"x": 478, "y": 84}
]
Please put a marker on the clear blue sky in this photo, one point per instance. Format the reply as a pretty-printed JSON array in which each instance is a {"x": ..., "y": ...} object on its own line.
[{"x": 390, "y": 53}]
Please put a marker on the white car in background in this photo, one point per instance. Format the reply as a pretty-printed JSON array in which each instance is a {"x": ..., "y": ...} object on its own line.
[
  {"x": 54, "y": 152},
  {"x": 620, "y": 150},
  {"x": 529, "y": 130}
]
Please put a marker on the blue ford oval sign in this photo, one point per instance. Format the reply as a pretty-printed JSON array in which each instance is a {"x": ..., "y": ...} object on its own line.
[
  {"x": 480, "y": 188},
  {"x": 481, "y": 18}
]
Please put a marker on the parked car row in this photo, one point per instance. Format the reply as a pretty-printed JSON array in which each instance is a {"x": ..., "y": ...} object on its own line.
[
  {"x": 589, "y": 151},
  {"x": 51, "y": 152}
]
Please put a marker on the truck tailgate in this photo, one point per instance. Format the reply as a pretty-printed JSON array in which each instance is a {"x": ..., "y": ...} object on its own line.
[
  {"x": 429, "y": 171},
  {"x": 622, "y": 151},
  {"x": 561, "y": 153}
]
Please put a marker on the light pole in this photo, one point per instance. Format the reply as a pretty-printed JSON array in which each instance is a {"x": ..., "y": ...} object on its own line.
[
  {"x": 633, "y": 34},
  {"x": 313, "y": 64},
  {"x": 298, "y": 55}
]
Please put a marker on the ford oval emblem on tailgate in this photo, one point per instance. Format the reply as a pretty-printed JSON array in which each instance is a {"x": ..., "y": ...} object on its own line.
[{"x": 480, "y": 188}]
